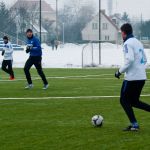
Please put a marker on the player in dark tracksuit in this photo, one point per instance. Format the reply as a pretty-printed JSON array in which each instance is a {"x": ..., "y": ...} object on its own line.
[
  {"x": 135, "y": 76},
  {"x": 35, "y": 51}
]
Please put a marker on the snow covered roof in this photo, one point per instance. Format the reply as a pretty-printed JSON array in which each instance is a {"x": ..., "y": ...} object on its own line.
[
  {"x": 108, "y": 18},
  {"x": 116, "y": 18},
  {"x": 37, "y": 28}
]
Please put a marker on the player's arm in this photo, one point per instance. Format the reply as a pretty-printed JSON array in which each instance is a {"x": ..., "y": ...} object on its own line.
[
  {"x": 29, "y": 48},
  {"x": 3, "y": 52},
  {"x": 129, "y": 59},
  {"x": 37, "y": 45},
  {"x": 144, "y": 57}
]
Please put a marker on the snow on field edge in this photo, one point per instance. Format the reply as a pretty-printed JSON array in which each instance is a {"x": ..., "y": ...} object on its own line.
[{"x": 70, "y": 56}]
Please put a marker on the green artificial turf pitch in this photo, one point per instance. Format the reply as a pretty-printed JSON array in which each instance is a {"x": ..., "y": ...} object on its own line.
[{"x": 65, "y": 123}]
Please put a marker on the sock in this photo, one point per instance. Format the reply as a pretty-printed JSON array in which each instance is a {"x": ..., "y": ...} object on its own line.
[{"x": 135, "y": 124}]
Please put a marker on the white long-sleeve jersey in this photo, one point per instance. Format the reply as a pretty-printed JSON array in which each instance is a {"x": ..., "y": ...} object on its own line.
[
  {"x": 135, "y": 60},
  {"x": 8, "y": 55}
]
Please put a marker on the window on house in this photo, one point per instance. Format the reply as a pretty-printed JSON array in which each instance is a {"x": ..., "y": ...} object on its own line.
[
  {"x": 114, "y": 21},
  {"x": 107, "y": 38},
  {"x": 95, "y": 26},
  {"x": 105, "y": 26}
]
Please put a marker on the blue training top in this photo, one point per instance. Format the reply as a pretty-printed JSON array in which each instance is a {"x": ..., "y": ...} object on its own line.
[{"x": 36, "y": 50}]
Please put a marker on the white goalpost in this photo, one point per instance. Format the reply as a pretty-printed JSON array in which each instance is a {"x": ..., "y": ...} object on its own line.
[
  {"x": 87, "y": 55},
  {"x": 91, "y": 54}
]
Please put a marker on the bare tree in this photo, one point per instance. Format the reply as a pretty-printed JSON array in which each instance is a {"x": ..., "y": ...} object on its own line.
[
  {"x": 7, "y": 24},
  {"x": 75, "y": 15}
]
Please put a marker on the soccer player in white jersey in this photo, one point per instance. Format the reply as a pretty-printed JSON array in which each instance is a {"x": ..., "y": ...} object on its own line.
[
  {"x": 8, "y": 58},
  {"x": 135, "y": 76}
]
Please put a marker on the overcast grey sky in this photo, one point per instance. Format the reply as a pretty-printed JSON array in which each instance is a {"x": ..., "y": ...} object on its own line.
[{"x": 133, "y": 7}]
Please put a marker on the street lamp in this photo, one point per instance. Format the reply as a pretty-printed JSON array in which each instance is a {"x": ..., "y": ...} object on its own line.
[
  {"x": 63, "y": 33},
  {"x": 40, "y": 20},
  {"x": 17, "y": 28},
  {"x": 57, "y": 19},
  {"x": 100, "y": 32}
]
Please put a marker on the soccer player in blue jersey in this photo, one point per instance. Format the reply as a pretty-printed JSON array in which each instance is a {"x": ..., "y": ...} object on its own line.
[{"x": 35, "y": 58}]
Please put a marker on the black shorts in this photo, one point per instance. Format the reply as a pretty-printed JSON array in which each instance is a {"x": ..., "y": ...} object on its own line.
[{"x": 131, "y": 90}]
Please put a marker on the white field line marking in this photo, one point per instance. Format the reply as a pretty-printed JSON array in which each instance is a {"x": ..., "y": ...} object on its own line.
[
  {"x": 60, "y": 78},
  {"x": 67, "y": 97},
  {"x": 86, "y": 77},
  {"x": 71, "y": 78},
  {"x": 63, "y": 77}
]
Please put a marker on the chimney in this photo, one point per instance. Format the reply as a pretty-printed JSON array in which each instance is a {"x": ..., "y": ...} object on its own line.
[
  {"x": 103, "y": 11},
  {"x": 110, "y": 7}
]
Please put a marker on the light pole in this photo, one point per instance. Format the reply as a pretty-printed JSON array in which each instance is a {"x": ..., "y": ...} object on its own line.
[
  {"x": 57, "y": 19},
  {"x": 17, "y": 28},
  {"x": 100, "y": 32},
  {"x": 40, "y": 21},
  {"x": 63, "y": 33}
]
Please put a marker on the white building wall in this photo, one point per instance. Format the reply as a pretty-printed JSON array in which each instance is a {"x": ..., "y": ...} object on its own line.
[{"x": 91, "y": 34}]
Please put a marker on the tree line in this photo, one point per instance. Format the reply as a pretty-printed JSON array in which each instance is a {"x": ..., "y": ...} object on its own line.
[
  {"x": 7, "y": 23},
  {"x": 74, "y": 16}
]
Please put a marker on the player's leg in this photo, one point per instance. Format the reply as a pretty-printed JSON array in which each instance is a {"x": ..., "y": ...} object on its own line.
[
  {"x": 4, "y": 66},
  {"x": 27, "y": 67},
  {"x": 11, "y": 72},
  {"x": 38, "y": 65},
  {"x": 126, "y": 104},
  {"x": 136, "y": 102},
  {"x": 142, "y": 105}
]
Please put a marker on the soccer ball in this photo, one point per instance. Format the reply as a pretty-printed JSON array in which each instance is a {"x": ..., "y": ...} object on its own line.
[{"x": 97, "y": 121}]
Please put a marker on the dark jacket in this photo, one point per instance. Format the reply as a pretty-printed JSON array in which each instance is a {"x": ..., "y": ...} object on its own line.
[{"x": 36, "y": 50}]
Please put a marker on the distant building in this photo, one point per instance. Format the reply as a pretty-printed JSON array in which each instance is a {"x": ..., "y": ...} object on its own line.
[
  {"x": 109, "y": 30},
  {"x": 32, "y": 7}
]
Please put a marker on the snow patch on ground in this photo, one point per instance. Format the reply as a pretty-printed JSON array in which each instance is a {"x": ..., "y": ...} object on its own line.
[{"x": 70, "y": 56}]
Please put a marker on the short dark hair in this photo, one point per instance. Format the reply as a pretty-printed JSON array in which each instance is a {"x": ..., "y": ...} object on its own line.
[
  {"x": 127, "y": 28},
  {"x": 5, "y": 38},
  {"x": 29, "y": 30}
]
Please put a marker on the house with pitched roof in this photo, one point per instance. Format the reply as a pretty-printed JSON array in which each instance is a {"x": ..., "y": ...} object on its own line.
[
  {"x": 117, "y": 19},
  {"x": 33, "y": 8},
  {"x": 109, "y": 30}
]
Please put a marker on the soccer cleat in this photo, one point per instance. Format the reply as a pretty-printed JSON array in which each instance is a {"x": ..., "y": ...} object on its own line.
[
  {"x": 12, "y": 78},
  {"x": 29, "y": 86},
  {"x": 131, "y": 128},
  {"x": 45, "y": 86}
]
